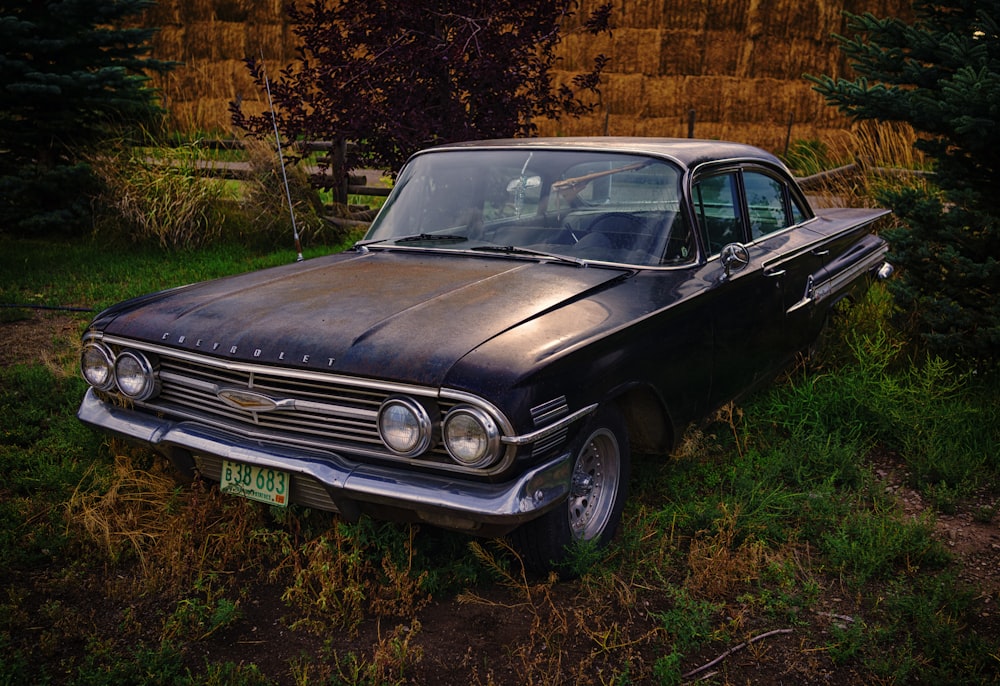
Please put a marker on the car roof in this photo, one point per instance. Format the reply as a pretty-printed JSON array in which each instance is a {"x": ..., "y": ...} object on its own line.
[{"x": 689, "y": 152}]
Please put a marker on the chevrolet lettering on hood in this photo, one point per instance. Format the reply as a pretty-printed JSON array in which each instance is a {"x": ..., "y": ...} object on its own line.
[
  {"x": 256, "y": 353},
  {"x": 520, "y": 317}
]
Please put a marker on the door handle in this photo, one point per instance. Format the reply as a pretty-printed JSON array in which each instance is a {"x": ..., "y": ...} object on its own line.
[
  {"x": 820, "y": 253},
  {"x": 772, "y": 274}
]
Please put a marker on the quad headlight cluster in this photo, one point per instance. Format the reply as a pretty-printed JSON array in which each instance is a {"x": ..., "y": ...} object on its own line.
[
  {"x": 132, "y": 373},
  {"x": 471, "y": 436}
]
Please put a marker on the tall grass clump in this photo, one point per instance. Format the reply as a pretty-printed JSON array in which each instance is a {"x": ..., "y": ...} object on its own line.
[
  {"x": 353, "y": 569},
  {"x": 157, "y": 196},
  {"x": 183, "y": 197},
  {"x": 881, "y": 156}
]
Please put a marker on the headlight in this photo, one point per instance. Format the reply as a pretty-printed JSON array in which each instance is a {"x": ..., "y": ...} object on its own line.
[
  {"x": 404, "y": 426},
  {"x": 96, "y": 366},
  {"x": 135, "y": 376},
  {"x": 471, "y": 437}
]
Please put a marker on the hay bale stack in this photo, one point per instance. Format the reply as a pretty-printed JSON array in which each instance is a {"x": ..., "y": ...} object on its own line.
[
  {"x": 212, "y": 38},
  {"x": 737, "y": 63}
]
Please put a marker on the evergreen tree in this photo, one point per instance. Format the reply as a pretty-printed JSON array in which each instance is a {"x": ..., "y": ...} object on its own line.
[
  {"x": 71, "y": 76},
  {"x": 941, "y": 74},
  {"x": 396, "y": 77}
]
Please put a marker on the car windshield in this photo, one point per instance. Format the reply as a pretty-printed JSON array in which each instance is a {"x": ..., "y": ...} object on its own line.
[{"x": 582, "y": 205}]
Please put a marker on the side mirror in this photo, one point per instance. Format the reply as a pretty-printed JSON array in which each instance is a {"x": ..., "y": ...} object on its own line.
[{"x": 734, "y": 257}]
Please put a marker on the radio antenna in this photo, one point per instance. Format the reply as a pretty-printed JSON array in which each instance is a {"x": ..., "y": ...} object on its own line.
[{"x": 281, "y": 159}]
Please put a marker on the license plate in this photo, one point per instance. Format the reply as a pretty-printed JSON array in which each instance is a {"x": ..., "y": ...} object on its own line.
[{"x": 257, "y": 483}]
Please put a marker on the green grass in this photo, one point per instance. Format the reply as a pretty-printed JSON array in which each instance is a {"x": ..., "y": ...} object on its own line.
[
  {"x": 773, "y": 515},
  {"x": 93, "y": 276}
]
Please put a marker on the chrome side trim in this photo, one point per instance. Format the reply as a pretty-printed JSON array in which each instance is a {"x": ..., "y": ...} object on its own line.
[
  {"x": 817, "y": 293},
  {"x": 524, "y": 439}
]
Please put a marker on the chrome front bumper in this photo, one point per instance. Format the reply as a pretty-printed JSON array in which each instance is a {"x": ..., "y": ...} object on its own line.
[{"x": 351, "y": 487}]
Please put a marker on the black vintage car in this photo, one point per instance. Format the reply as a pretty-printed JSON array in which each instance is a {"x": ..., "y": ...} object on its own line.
[{"x": 521, "y": 315}]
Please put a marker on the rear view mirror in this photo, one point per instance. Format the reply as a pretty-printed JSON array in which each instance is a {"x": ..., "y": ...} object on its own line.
[{"x": 524, "y": 182}]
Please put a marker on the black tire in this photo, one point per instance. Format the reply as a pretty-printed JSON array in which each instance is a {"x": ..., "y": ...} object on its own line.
[{"x": 593, "y": 510}]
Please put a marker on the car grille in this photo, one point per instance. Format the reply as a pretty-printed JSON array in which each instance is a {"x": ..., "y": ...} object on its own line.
[
  {"x": 327, "y": 412},
  {"x": 544, "y": 414}
]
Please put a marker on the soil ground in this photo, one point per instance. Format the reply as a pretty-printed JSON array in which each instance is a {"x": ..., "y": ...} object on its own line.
[{"x": 498, "y": 639}]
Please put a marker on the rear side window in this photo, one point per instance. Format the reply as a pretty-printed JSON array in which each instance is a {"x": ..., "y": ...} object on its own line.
[
  {"x": 765, "y": 204},
  {"x": 771, "y": 204},
  {"x": 716, "y": 200}
]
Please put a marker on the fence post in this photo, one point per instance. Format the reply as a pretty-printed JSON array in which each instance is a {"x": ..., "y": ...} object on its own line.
[
  {"x": 788, "y": 134},
  {"x": 338, "y": 154}
]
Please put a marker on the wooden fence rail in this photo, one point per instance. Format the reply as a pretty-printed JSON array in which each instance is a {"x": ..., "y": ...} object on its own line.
[{"x": 322, "y": 174}]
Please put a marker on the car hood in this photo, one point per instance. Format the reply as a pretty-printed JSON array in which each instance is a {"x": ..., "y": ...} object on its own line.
[{"x": 404, "y": 316}]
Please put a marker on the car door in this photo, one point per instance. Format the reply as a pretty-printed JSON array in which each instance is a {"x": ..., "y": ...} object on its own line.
[
  {"x": 746, "y": 300},
  {"x": 790, "y": 256}
]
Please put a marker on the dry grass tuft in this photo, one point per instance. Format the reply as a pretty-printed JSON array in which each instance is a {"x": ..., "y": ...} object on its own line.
[
  {"x": 882, "y": 156},
  {"x": 718, "y": 565},
  {"x": 128, "y": 516},
  {"x": 341, "y": 575},
  {"x": 177, "y": 534},
  {"x": 163, "y": 199}
]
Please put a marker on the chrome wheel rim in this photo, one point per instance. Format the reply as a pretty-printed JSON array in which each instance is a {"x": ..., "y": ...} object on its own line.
[{"x": 594, "y": 486}]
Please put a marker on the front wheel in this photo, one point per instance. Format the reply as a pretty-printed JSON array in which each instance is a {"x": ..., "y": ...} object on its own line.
[{"x": 593, "y": 509}]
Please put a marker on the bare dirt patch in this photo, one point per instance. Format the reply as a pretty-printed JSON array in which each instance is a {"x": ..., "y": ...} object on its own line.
[
  {"x": 41, "y": 337},
  {"x": 971, "y": 534}
]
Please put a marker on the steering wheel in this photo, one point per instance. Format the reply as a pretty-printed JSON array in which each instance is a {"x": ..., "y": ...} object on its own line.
[{"x": 617, "y": 222}]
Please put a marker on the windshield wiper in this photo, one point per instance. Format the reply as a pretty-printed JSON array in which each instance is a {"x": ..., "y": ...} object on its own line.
[
  {"x": 413, "y": 238},
  {"x": 420, "y": 237},
  {"x": 514, "y": 250}
]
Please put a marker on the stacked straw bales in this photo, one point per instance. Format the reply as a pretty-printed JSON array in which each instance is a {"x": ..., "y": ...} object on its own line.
[{"x": 736, "y": 64}]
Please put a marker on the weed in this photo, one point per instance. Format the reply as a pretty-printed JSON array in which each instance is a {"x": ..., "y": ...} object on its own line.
[
  {"x": 177, "y": 534},
  {"x": 690, "y": 621},
  {"x": 339, "y": 575},
  {"x": 923, "y": 408},
  {"x": 885, "y": 156},
  {"x": 231, "y": 674},
  {"x": 198, "y": 617},
  {"x": 391, "y": 660},
  {"x": 876, "y": 543},
  {"x": 847, "y": 641},
  {"x": 667, "y": 669},
  {"x": 808, "y": 157},
  {"x": 263, "y": 204}
]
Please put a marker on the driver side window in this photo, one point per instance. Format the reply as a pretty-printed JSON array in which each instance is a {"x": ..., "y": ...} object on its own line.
[{"x": 716, "y": 201}]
